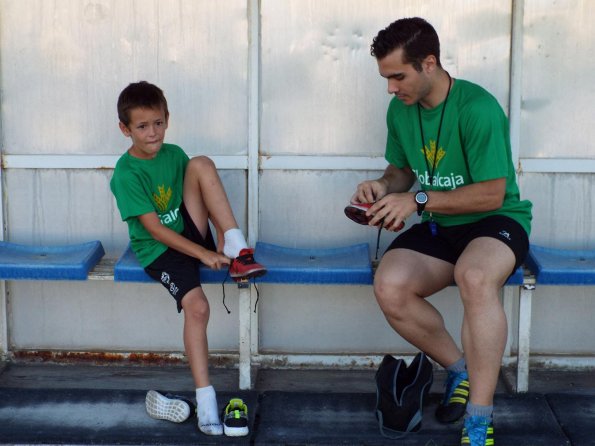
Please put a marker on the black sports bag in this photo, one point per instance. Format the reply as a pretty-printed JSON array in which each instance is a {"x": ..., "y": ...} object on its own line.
[{"x": 400, "y": 394}]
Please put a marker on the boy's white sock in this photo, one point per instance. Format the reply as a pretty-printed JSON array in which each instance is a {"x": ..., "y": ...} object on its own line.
[
  {"x": 207, "y": 411},
  {"x": 234, "y": 242}
]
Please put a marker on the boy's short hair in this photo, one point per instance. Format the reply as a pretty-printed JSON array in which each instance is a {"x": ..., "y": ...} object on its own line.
[
  {"x": 414, "y": 35},
  {"x": 140, "y": 94}
]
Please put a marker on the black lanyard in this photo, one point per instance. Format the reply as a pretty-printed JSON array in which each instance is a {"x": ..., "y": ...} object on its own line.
[
  {"x": 421, "y": 130},
  {"x": 433, "y": 226}
]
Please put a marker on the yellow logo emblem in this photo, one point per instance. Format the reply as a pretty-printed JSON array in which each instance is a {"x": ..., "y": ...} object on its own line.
[
  {"x": 162, "y": 200},
  {"x": 431, "y": 152}
]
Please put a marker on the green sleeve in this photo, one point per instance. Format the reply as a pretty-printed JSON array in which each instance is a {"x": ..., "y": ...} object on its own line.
[
  {"x": 130, "y": 195},
  {"x": 484, "y": 133}
]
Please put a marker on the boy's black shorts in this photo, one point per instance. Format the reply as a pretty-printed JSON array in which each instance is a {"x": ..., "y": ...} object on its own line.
[
  {"x": 450, "y": 241},
  {"x": 178, "y": 272}
]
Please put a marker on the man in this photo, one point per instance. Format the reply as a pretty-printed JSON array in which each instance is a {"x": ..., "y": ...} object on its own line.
[{"x": 451, "y": 136}]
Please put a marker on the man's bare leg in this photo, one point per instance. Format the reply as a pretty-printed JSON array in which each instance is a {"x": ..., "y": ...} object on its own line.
[
  {"x": 480, "y": 278},
  {"x": 403, "y": 280}
]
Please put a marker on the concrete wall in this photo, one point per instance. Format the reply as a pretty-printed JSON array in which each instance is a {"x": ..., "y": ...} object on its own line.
[{"x": 291, "y": 84}]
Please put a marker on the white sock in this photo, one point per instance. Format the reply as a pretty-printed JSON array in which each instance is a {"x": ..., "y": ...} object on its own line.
[
  {"x": 234, "y": 243},
  {"x": 207, "y": 411}
]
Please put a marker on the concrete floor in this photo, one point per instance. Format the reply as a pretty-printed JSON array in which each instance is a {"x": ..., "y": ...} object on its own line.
[{"x": 44, "y": 403}]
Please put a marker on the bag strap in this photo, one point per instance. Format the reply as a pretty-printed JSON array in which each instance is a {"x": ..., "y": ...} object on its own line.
[{"x": 393, "y": 434}]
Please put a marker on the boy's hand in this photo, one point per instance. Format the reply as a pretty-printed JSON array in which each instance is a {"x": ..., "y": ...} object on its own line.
[{"x": 214, "y": 260}]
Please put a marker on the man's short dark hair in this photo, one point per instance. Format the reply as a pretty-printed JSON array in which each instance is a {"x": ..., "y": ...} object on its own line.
[
  {"x": 415, "y": 36},
  {"x": 140, "y": 94}
]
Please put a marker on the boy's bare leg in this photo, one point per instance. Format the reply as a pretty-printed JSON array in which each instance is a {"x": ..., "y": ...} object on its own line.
[
  {"x": 480, "y": 278},
  {"x": 403, "y": 280},
  {"x": 196, "y": 317},
  {"x": 205, "y": 198}
]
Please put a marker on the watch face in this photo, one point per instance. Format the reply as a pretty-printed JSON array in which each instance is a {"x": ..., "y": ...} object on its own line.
[{"x": 421, "y": 197}]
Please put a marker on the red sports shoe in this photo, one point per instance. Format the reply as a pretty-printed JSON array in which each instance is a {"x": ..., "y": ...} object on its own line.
[
  {"x": 245, "y": 267},
  {"x": 357, "y": 212}
]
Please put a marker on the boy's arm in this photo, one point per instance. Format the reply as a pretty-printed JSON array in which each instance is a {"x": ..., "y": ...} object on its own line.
[{"x": 180, "y": 243}]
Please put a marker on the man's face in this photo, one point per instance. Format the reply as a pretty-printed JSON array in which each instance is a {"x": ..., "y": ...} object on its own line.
[
  {"x": 147, "y": 130},
  {"x": 404, "y": 81}
]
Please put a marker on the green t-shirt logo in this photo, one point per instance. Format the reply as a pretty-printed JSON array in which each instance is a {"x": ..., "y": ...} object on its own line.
[
  {"x": 431, "y": 152},
  {"x": 162, "y": 200}
]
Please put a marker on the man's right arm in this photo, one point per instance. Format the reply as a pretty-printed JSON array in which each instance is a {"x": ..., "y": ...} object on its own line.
[{"x": 393, "y": 179}]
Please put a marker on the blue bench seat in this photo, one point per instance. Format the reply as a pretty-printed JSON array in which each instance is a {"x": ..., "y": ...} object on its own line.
[
  {"x": 64, "y": 262},
  {"x": 562, "y": 267},
  {"x": 349, "y": 265},
  {"x": 127, "y": 269},
  {"x": 517, "y": 277}
]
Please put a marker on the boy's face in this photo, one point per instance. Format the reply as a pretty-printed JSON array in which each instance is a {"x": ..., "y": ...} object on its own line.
[{"x": 147, "y": 130}]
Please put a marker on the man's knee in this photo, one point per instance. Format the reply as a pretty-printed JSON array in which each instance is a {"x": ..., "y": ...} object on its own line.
[
  {"x": 389, "y": 291},
  {"x": 474, "y": 282}
]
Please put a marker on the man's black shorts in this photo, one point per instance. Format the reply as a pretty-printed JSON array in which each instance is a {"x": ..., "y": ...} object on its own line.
[
  {"x": 450, "y": 241},
  {"x": 178, "y": 272}
]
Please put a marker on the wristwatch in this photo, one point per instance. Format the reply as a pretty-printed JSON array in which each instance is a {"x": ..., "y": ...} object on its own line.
[{"x": 421, "y": 198}]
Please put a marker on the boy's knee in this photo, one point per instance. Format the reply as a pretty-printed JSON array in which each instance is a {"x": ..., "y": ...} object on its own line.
[
  {"x": 201, "y": 162},
  {"x": 196, "y": 307}
]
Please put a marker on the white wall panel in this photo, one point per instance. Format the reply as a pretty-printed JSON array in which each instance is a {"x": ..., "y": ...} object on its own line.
[
  {"x": 64, "y": 63},
  {"x": 72, "y": 206},
  {"x": 562, "y": 320},
  {"x": 305, "y": 209},
  {"x": 321, "y": 92},
  {"x": 109, "y": 316},
  {"x": 563, "y": 209},
  {"x": 337, "y": 319},
  {"x": 558, "y": 89},
  {"x": 563, "y": 216}
]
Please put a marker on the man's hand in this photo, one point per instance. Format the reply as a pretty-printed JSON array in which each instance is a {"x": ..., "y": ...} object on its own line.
[
  {"x": 394, "y": 209},
  {"x": 369, "y": 191}
]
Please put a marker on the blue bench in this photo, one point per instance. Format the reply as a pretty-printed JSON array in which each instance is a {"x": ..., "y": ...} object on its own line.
[
  {"x": 349, "y": 265},
  {"x": 66, "y": 262},
  {"x": 127, "y": 269},
  {"x": 553, "y": 267},
  {"x": 562, "y": 267}
]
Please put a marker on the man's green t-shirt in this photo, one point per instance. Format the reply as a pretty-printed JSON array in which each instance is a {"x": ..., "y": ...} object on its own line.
[
  {"x": 142, "y": 186},
  {"x": 474, "y": 147}
]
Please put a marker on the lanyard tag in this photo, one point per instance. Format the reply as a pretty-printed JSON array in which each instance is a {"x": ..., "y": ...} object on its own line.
[{"x": 433, "y": 228}]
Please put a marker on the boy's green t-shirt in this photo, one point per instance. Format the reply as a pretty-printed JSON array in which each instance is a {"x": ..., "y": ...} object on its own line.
[
  {"x": 474, "y": 147},
  {"x": 142, "y": 186}
]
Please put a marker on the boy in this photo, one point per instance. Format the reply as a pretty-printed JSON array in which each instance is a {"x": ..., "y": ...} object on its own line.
[{"x": 167, "y": 201}]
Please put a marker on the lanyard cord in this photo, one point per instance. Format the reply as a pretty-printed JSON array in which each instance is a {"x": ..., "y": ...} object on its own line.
[{"x": 421, "y": 130}]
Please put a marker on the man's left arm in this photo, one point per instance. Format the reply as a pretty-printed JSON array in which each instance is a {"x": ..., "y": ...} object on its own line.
[{"x": 478, "y": 197}]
